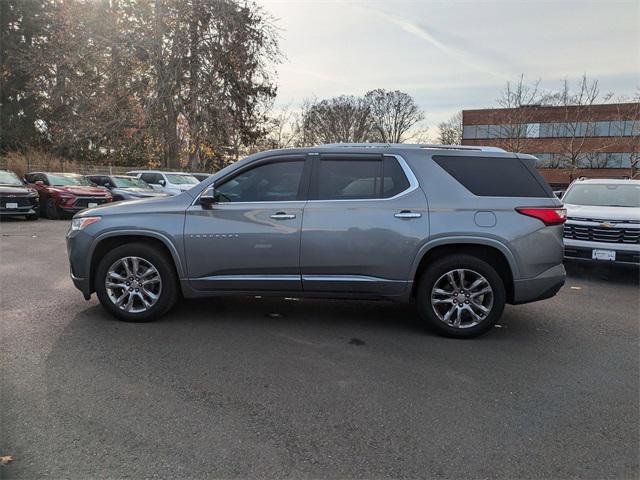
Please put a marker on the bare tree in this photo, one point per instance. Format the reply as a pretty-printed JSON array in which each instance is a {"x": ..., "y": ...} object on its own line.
[
  {"x": 578, "y": 123},
  {"x": 632, "y": 127},
  {"x": 343, "y": 119},
  {"x": 282, "y": 129},
  {"x": 393, "y": 114},
  {"x": 450, "y": 132},
  {"x": 521, "y": 100}
]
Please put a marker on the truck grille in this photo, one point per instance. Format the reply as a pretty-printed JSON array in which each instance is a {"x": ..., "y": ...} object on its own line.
[
  {"x": 21, "y": 201},
  {"x": 596, "y": 233}
]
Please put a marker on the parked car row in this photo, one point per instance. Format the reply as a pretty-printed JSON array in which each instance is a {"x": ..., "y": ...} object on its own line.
[{"x": 56, "y": 195}]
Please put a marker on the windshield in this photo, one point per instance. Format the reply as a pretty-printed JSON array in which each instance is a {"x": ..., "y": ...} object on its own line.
[
  {"x": 129, "y": 182},
  {"x": 181, "y": 179},
  {"x": 9, "y": 178},
  {"x": 603, "y": 195},
  {"x": 62, "y": 180}
]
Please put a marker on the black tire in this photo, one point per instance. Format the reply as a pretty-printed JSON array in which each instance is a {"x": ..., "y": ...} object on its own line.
[
  {"x": 52, "y": 211},
  {"x": 440, "y": 267},
  {"x": 162, "y": 263},
  {"x": 33, "y": 216}
]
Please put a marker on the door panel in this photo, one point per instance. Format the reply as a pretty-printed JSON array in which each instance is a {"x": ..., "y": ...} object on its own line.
[
  {"x": 250, "y": 239},
  {"x": 244, "y": 246},
  {"x": 362, "y": 246}
]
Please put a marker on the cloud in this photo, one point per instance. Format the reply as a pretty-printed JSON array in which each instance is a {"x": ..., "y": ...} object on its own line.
[{"x": 421, "y": 33}]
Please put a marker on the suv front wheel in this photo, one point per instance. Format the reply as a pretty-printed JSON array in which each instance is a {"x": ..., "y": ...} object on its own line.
[
  {"x": 461, "y": 296},
  {"x": 136, "y": 282}
]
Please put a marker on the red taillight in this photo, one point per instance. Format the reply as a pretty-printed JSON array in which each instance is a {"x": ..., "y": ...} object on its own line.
[{"x": 548, "y": 216}]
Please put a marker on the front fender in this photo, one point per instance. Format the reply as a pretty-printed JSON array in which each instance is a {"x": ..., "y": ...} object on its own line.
[{"x": 138, "y": 233}]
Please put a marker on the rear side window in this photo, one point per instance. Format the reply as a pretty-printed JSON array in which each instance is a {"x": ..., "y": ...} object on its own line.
[
  {"x": 150, "y": 177},
  {"x": 495, "y": 176},
  {"x": 349, "y": 179},
  {"x": 394, "y": 181},
  {"x": 359, "y": 178}
]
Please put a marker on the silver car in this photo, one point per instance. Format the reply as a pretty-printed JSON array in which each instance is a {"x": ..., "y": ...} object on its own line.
[
  {"x": 603, "y": 221},
  {"x": 459, "y": 230}
]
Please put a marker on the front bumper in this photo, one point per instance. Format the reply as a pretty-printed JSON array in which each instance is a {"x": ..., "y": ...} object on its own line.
[
  {"x": 25, "y": 206},
  {"x": 78, "y": 245},
  {"x": 545, "y": 285},
  {"x": 583, "y": 250},
  {"x": 30, "y": 210}
]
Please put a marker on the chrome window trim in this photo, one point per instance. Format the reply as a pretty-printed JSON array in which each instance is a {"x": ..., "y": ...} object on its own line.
[{"x": 413, "y": 185}]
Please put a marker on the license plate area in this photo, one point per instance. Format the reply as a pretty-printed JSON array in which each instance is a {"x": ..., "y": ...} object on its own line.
[
  {"x": 605, "y": 255},
  {"x": 92, "y": 204},
  {"x": 11, "y": 205}
]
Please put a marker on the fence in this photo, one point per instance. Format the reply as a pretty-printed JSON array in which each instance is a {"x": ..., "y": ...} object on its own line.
[{"x": 85, "y": 169}]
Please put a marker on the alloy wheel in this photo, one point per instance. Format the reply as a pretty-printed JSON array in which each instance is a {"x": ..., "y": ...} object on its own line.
[
  {"x": 462, "y": 298},
  {"x": 133, "y": 284}
]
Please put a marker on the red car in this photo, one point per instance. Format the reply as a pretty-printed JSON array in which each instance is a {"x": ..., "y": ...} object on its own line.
[{"x": 66, "y": 193}]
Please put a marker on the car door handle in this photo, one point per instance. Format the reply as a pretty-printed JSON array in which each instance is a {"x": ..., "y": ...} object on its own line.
[
  {"x": 407, "y": 214},
  {"x": 283, "y": 216}
]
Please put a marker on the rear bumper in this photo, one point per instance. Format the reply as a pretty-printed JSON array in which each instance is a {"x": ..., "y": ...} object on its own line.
[{"x": 545, "y": 285}]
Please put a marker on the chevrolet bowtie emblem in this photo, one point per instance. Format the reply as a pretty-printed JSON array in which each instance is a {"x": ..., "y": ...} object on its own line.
[{"x": 606, "y": 225}]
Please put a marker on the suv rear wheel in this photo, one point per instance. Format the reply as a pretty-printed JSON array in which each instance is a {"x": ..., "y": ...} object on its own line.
[
  {"x": 461, "y": 296},
  {"x": 136, "y": 282}
]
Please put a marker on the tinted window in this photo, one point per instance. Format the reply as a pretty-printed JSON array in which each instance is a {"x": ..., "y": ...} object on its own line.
[
  {"x": 495, "y": 177},
  {"x": 271, "y": 182},
  {"x": 349, "y": 179},
  {"x": 394, "y": 181},
  {"x": 150, "y": 177}
]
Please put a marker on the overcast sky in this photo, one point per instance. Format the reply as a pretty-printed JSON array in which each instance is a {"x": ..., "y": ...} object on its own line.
[{"x": 452, "y": 54}]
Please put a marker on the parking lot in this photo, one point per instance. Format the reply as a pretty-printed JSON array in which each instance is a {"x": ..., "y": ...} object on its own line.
[{"x": 285, "y": 388}]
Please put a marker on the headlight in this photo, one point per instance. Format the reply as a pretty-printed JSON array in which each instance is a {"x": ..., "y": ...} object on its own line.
[{"x": 82, "y": 222}]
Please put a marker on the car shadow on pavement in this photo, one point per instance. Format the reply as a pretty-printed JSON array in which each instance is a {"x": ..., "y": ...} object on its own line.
[{"x": 615, "y": 273}]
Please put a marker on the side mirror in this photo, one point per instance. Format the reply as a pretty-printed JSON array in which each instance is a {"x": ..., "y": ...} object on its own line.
[
  {"x": 40, "y": 183},
  {"x": 208, "y": 198},
  {"x": 108, "y": 185},
  {"x": 162, "y": 182}
]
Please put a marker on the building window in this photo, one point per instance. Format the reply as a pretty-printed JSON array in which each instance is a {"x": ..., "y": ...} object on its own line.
[
  {"x": 602, "y": 129},
  {"x": 533, "y": 130},
  {"x": 469, "y": 131},
  {"x": 553, "y": 130},
  {"x": 545, "y": 130},
  {"x": 483, "y": 131},
  {"x": 584, "y": 160},
  {"x": 617, "y": 129}
]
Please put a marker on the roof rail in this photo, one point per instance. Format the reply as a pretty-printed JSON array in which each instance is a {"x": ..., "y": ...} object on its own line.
[{"x": 413, "y": 145}]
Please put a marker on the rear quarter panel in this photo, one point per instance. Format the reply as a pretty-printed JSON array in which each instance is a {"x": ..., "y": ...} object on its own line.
[{"x": 456, "y": 215}]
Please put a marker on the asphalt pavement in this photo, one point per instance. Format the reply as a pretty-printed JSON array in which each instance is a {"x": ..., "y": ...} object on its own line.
[{"x": 270, "y": 388}]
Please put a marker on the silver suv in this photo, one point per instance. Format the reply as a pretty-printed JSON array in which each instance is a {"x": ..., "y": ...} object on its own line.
[
  {"x": 459, "y": 230},
  {"x": 603, "y": 221}
]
